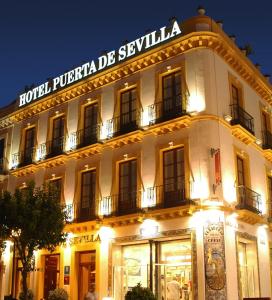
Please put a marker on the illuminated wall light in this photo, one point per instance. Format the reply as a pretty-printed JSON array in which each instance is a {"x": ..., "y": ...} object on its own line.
[
  {"x": 53, "y": 176},
  {"x": 106, "y": 233},
  {"x": 196, "y": 102},
  {"x": 28, "y": 124},
  {"x": 258, "y": 142},
  {"x": 126, "y": 84},
  {"x": 125, "y": 156},
  {"x": 168, "y": 68},
  {"x": 86, "y": 167},
  {"x": 171, "y": 144},
  {"x": 56, "y": 112},
  {"x": 149, "y": 228},
  {"x": 227, "y": 118}
]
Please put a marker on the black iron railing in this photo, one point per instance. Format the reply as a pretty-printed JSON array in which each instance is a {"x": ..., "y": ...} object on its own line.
[
  {"x": 54, "y": 147},
  {"x": 267, "y": 139},
  {"x": 166, "y": 110},
  {"x": 248, "y": 199},
  {"x": 125, "y": 203},
  {"x": 87, "y": 212},
  {"x": 241, "y": 117},
  {"x": 124, "y": 123},
  {"x": 85, "y": 137},
  {"x": 168, "y": 195},
  {"x": 24, "y": 158}
]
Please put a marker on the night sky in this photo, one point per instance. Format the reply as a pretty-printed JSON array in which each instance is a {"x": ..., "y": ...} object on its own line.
[{"x": 42, "y": 39}]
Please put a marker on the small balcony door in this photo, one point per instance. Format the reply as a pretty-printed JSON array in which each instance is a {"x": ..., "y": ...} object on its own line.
[
  {"x": 173, "y": 177},
  {"x": 29, "y": 145},
  {"x": 128, "y": 110},
  {"x": 90, "y": 124},
  {"x": 58, "y": 135}
]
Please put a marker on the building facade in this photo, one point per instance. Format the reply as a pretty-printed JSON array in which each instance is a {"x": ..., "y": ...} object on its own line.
[{"x": 163, "y": 162}]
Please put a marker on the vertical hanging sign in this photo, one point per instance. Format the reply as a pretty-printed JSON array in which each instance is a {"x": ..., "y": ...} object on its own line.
[
  {"x": 214, "y": 255},
  {"x": 217, "y": 167}
]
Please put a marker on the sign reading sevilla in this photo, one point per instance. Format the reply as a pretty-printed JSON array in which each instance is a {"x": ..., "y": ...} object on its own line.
[{"x": 109, "y": 59}]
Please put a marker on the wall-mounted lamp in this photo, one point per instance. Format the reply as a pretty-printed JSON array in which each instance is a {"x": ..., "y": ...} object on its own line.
[
  {"x": 56, "y": 112},
  {"x": 227, "y": 118},
  {"x": 258, "y": 142},
  {"x": 168, "y": 68},
  {"x": 126, "y": 84},
  {"x": 86, "y": 167},
  {"x": 171, "y": 144},
  {"x": 125, "y": 156}
]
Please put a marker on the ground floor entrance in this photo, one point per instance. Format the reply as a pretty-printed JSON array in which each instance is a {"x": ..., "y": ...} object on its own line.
[
  {"x": 87, "y": 273},
  {"x": 51, "y": 273},
  {"x": 164, "y": 266}
]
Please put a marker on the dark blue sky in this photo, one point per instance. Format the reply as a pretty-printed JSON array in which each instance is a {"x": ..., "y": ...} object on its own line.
[{"x": 41, "y": 39}]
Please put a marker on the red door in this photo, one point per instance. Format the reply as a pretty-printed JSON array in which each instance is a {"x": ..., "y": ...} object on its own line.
[{"x": 51, "y": 274}]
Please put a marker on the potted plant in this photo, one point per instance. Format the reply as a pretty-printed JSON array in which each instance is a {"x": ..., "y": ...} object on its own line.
[
  {"x": 29, "y": 295},
  {"x": 139, "y": 293},
  {"x": 58, "y": 294}
]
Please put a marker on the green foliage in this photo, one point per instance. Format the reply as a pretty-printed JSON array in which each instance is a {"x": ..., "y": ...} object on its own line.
[
  {"x": 29, "y": 295},
  {"x": 140, "y": 293},
  {"x": 33, "y": 219},
  {"x": 58, "y": 294}
]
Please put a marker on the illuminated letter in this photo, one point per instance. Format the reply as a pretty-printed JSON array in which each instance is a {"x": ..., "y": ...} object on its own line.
[
  {"x": 35, "y": 90},
  {"x": 47, "y": 88},
  {"x": 41, "y": 90},
  {"x": 29, "y": 96},
  {"x": 147, "y": 40},
  {"x": 122, "y": 53},
  {"x": 102, "y": 62},
  {"x": 153, "y": 39},
  {"x": 70, "y": 76},
  {"x": 131, "y": 49},
  {"x": 56, "y": 81},
  {"x": 139, "y": 43},
  {"x": 111, "y": 58},
  {"x": 175, "y": 30},
  {"x": 78, "y": 74},
  {"x": 92, "y": 68},
  {"x": 85, "y": 69},
  {"x": 163, "y": 37},
  {"x": 22, "y": 99}
]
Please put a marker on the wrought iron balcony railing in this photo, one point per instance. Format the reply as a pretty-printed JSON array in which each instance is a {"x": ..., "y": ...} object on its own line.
[
  {"x": 53, "y": 148},
  {"x": 168, "y": 195},
  {"x": 248, "y": 199},
  {"x": 24, "y": 158},
  {"x": 85, "y": 137},
  {"x": 125, "y": 203},
  {"x": 87, "y": 212},
  {"x": 166, "y": 110},
  {"x": 124, "y": 123},
  {"x": 241, "y": 117},
  {"x": 267, "y": 139}
]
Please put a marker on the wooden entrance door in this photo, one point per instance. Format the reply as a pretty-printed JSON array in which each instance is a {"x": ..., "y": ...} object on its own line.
[
  {"x": 86, "y": 273},
  {"x": 51, "y": 274}
]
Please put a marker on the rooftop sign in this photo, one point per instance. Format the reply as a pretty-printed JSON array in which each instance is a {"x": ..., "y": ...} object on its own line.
[{"x": 109, "y": 59}]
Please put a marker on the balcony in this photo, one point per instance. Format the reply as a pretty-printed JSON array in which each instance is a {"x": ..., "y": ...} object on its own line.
[
  {"x": 241, "y": 117},
  {"x": 166, "y": 196},
  {"x": 53, "y": 148},
  {"x": 85, "y": 137},
  {"x": 24, "y": 158},
  {"x": 87, "y": 213},
  {"x": 267, "y": 139},
  {"x": 124, "y": 123},
  {"x": 121, "y": 204},
  {"x": 248, "y": 199},
  {"x": 166, "y": 110}
]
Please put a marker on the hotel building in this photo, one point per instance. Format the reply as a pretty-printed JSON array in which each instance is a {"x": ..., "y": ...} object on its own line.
[{"x": 163, "y": 162}]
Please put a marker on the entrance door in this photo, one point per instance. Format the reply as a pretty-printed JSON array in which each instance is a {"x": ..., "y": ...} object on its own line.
[
  {"x": 86, "y": 273},
  {"x": 51, "y": 274}
]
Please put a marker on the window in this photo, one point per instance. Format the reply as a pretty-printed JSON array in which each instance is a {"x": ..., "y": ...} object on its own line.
[
  {"x": 56, "y": 185},
  {"x": 28, "y": 153},
  {"x": 173, "y": 177},
  {"x": 127, "y": 186},
  {"x": 57, "y": 143},
  {"x": 88, "y": 195},
  {"x": 128, "y": 110},
  {"x": 269, "y": 183},
  {"x": 171, "y": 95},
  {"x": 248, "y": 268},
  {"x": 90, "y": 125},
  {"x": 2, "y": 152},
  {"x": 267, "y": 136},
  {"x": 240, "y": 171},
  {"x": 235, "y": 95}
]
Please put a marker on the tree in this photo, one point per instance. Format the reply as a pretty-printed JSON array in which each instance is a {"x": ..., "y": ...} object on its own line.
[
  {"x": 34, "y": 219},
  {"x": 140, "y": 293}
]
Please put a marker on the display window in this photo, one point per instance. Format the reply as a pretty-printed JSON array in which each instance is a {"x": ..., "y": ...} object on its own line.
[
  {"x": 163, "y": 266},
  {"x": 248, "y": 268}
]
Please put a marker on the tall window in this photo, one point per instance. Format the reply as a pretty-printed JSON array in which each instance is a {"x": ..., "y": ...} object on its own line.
[
  {"x": 173, "y": 177},
  {"x": 240, "y": 171},
  {"x": 56, "y": 185},
  {"x": 172, "y": 94},
  {"x": 88, "y": 195},
  {"x": 128, "y": 109},
  {"x": 127, "y": 186},
  {"x": 2, "y": 151},
  {"x": 235, "y": 95},
  {"x": 58, "y": 135},
  {"x": 90, "y": 124},
  {"x": 269, "y": 182},
  {"x": 29, "y": 145}
]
